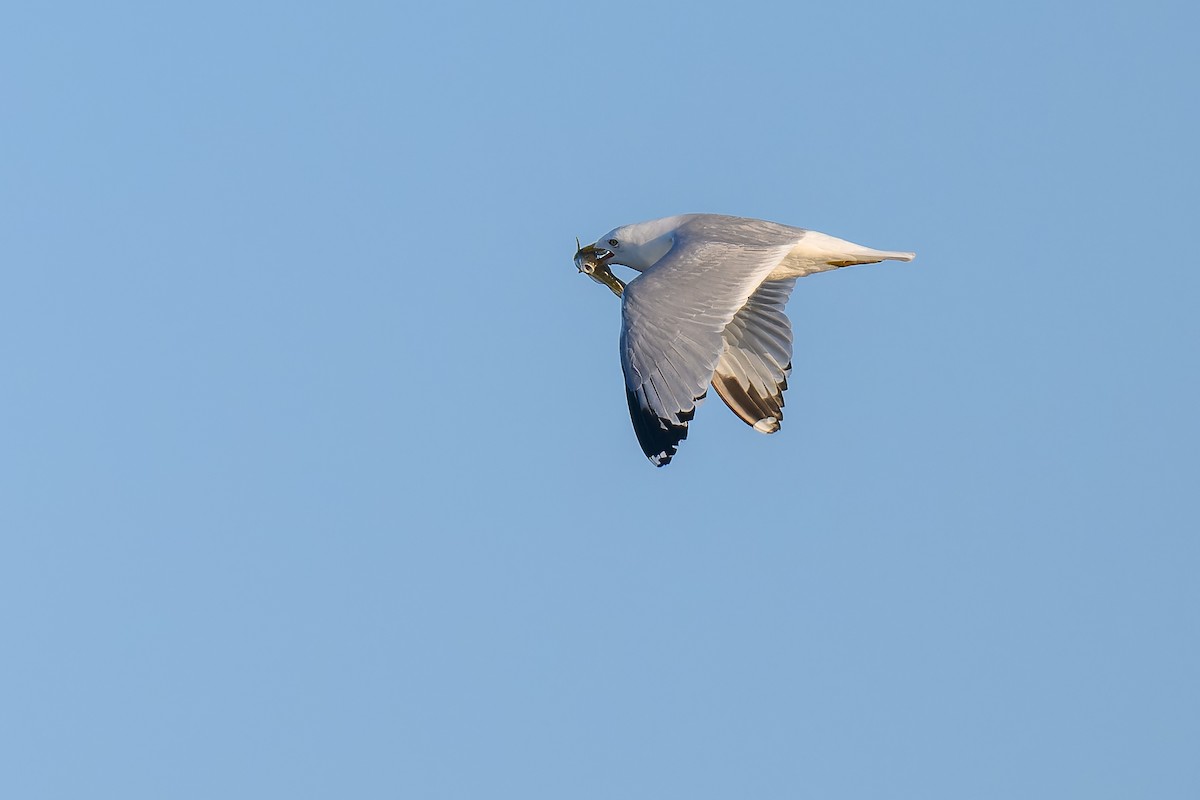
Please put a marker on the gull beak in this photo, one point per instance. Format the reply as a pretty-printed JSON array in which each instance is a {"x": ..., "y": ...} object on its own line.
[
  {"x": 591, "y": 260},
  {"x": 596, "y": 255}
]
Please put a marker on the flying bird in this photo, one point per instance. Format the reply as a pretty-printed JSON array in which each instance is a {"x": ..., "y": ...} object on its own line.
[{"x": 708, "y": 308}]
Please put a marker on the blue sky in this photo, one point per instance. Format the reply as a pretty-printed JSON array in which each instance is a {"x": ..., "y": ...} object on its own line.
[{"x": 318, "y": 476}]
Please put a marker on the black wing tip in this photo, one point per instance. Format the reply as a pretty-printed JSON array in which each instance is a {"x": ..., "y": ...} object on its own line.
[
  {"x": 764, "y": 414},
  {"x": 659, "y": 439}
]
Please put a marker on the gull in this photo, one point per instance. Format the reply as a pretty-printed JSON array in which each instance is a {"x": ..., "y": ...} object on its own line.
[{"x": 708, "y": 308}]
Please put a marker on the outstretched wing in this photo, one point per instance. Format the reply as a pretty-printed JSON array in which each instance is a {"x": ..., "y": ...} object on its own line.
[
  {"x": 751, "y": 374},
  {"x": 674, "y": 316}
]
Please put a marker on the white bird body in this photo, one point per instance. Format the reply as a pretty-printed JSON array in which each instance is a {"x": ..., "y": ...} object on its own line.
[{"x": 709, "y": 308}]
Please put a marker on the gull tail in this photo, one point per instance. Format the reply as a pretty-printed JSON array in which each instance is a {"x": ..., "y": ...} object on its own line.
[
  {"x": 841, "y": 253},
  {"x": 818, "y": 252},
  {"x": 866, "y": 255}
]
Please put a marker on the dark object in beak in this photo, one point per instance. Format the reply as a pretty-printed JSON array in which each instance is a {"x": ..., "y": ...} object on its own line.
[
  {"x": 590, "y": 260},
  {"x": 591, "y": 253}
]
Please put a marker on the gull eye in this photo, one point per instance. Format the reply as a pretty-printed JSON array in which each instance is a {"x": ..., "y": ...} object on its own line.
[{"x": 613, "y": 242}]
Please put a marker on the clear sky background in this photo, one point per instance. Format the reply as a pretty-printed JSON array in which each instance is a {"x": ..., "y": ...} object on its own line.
[{"x": 317, "y": 476}]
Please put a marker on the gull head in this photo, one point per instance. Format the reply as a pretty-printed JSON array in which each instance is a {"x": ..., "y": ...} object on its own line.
[
  {"x": 592, "y": 261},
  {"x": 638, "y": 246}
]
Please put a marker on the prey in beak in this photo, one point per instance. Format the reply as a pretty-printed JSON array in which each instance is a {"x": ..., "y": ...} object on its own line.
[{"x": 591, "y": 261}]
